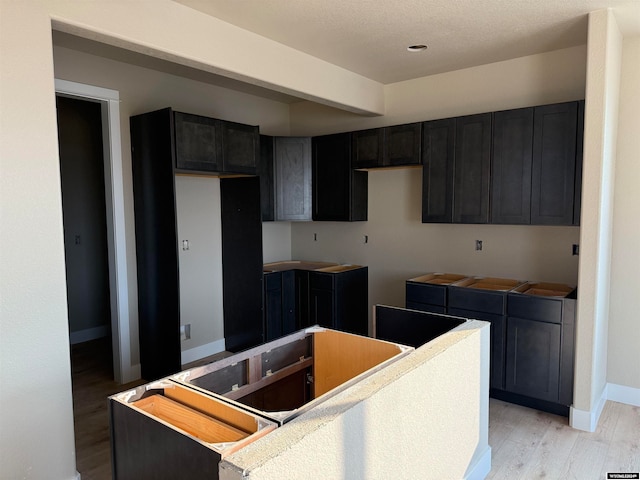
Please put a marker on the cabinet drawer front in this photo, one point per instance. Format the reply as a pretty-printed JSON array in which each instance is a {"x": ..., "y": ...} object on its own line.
[
  {"x": 425, "y": 293},
  {"x": 424, "y": 307},
  {"x": 322, "y": 281},
  {"x": 477, "y": 300},
  {"x": 534, "y": 308}
]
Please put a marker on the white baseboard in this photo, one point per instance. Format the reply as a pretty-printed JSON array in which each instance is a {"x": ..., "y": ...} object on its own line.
[
  {"x": 623, "y": 394},
  {"x": 588, "y": 420},
  {"x": 89, "y": 334},
  {"x": 202, "y": 351},
  {"x": 481, "y": 469}
]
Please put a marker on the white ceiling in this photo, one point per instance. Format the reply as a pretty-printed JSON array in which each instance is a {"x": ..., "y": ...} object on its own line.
[{"x": 370, "y": 37}]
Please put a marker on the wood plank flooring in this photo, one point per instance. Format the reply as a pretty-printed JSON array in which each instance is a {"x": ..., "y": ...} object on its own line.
[{"x": 526, "y": 443}]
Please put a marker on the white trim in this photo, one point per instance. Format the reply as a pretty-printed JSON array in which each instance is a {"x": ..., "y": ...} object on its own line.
[
  {"x": 481, "y": 468},
  {"x": 124, "y": 372},
  {"x": 202, "y": 351},
  {"x": 623, "y": 394},
  {"x": 88, "y": 334},
  {"x": 587, "y": 420}
]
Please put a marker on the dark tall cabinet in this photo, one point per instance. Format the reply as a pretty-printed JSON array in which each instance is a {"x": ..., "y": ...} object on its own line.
[
  {"x": 164, "y": 143},
  {"x": 241, "y": 262},
  {"x": 152, "y": 153}
]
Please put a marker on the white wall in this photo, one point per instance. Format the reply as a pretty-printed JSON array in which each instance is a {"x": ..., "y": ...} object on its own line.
[
  {"x": 624, "y": 334},
  {"x": 400, "y": 246},
  {"x": 600, "y": 132},
  {"x": 142, "y": 90}
]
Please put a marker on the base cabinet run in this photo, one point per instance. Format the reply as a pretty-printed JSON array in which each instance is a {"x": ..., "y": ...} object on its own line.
[{"x": 532, "y": 332}]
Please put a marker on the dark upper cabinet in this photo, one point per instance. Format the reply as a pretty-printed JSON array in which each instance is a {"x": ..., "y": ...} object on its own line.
[
  {"x": 198, "y": 142},
  {"x": 394, "y": 146},
  {"x": 240, "y": 147},
  {"x": 437, "y": 170},
  {"x": 402, "y": 145},
  {"x": 554, "y": 164},
  {"x": 210, "y": 145},
  {"x": 472, "y": 169},
  {"x": 367, "y": 148},
  {"x": 292, "y": 160},
  {"x": 266, "y": 174},
  {"x": 511, "y": 166},
  {"x": 339, "y": 193}
]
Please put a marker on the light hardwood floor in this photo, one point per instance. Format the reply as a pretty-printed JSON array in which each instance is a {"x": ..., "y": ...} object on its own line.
[{"x": 526, "y": 443}]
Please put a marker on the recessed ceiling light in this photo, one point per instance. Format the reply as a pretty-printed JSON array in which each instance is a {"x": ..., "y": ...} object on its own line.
[{"x": 417, "y": 48}]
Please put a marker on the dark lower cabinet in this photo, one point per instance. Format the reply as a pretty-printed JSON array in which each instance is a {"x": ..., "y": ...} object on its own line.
[
  {"x": 296, "y": 299},
  {"x": 533, "y": 358},
  {"x": 241, "y": 262}
]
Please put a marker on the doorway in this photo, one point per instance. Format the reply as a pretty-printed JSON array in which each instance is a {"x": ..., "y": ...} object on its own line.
[
  {"x": 107, "y": 103},
  {"x": 81, "y": 148}
]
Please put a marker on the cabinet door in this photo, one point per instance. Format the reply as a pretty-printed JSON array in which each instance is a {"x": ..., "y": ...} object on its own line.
[
  {"x": 402, "y": 145},
  {"x": 532, "y": 361},
  {"x": 197, "y": 143},
  {"x": 351, "y": 301},
  {"x": 265, "y": 172},
  {"x": 273, "y": 306},
  {"x": 241, "y": 262},
  {"x": 289, "y": 313},
  {"x": 240, "y": 148},
  {"x": 339, "y": 193},
  {"x": 472, "y": 168},
  {"x": 293, "y": 178},
  {"x": 554, "y": 158},
  {"x": 367, "y": 148},
  {"x": 577, "y": 194},
  {"x": 511, "y": 166},
  {"x": 437, "y": 171},
  {"x": 321, "y": 308}
]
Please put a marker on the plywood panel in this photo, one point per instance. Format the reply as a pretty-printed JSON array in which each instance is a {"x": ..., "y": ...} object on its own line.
[{"x": 339, "y": 357}]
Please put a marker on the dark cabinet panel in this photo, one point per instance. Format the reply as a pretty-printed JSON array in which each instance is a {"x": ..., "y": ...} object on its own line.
[
  {"x": 339, "y": 193},
  {"x": 156, "y": 243},
  {"x": 241, "y": 262},
  {"x": 554, "y": 161},
  {"x": 321, "y": 307},
  {"x": 402, "y": 145},
  {"x": 511, "y": 166},
  {"x": 472, "y": 168},
  {"x": 577, "y": 194},
  {"x": 266, "y": 174},
  {"x": 367, "y": 147},
  {"x": 437, "y": 170},
  {"x": 533, "y": 358},
  {"x": 293, "y": 178},
  {"x": 273, "y": 306},
  {"x": 198, "y": 142},
  {"x": 240, "y": 147}
]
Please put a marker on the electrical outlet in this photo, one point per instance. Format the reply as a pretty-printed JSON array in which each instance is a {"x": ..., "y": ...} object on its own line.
[
  {"x": 366, "y": 239},
  {"x": 315, "y": 237},
  {"x": 575, "y": 249},
  {"x": 478, "y": 245},
  {"x": 185, "y": 332}
]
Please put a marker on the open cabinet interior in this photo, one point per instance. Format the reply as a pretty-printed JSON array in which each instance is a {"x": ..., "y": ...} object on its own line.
[{"x": 282, "y": 378}]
